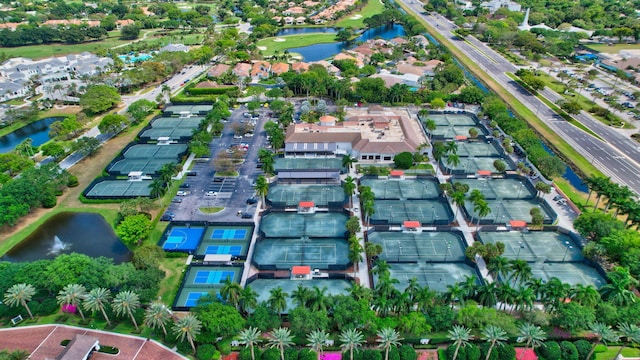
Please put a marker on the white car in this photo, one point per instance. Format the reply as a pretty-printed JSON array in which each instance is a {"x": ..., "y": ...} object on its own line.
[
  {"x": 183, "y": 193},
  {"x": 211, "y": 193}
]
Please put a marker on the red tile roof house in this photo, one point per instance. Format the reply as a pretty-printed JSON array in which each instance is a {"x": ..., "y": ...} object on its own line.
[
  {"x": 242, "y": 70},
  {"x": 296, "y": 10},
  {"x": 300, "y": 20},
  {"x": 218, "y": 70},
  {"x": 260, "y": 70},
  {"x": 279, "y": 68},
  {"x": 122, "y": 23},
  {"x": 300, "y": 67}
]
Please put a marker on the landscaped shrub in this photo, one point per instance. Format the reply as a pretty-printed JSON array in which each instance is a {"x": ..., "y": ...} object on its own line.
[
  {"x": 290, "y": 354},
  {"x": 47, "y": 306},
  {"x": 49, "y": 201},
  {"x": 550, "y": 350},
  {"x": 73, "y": 181},
  {"x": 307, "y": 354},
  {"x": 394, "y": 354},
  {"x": 484, "y": 349},
  {"x": 407, "y": 353},
  {"x": 205, "y": 352},
  {"x": 583, "y": 347},
  {"x": 224, "y": 346},
  {"x": 505, "y": 352},
  {"x": 270, "y": 354},
  {"x": 462, "y": 353},
  {"x": 245, "y": 353},
  {"x": 473, "y": 352},
  {"x": 440, "y": 317},
  {"x": 109, "y": 350},
  {"x": 569, "y": 351},
  {"x": 370, "y": 354}
]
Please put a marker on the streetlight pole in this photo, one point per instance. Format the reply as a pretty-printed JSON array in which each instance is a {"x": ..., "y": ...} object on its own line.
[
  {"x": 566, "y": 250},
  {"x": 399, "y": 251},
  {"x": 519, "y": 249},
  {"x": 448, "y": 249}
]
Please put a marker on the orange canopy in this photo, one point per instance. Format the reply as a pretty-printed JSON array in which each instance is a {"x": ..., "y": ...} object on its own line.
[
  {"x": 518, "y": 223},
  {"x": 301, "y": 270},
  {"x": 306, "y": 204},
  {"x": 484, "y": 172},
  {"x": 397, "y": 172},
  {"x": 461, "y": 137},
  {"x": 411, "y": 224}
]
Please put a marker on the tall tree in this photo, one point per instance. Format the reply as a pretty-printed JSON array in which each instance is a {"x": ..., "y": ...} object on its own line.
[
  {"x": 494, "y": 335},
  {"x": 20, "y": 295},
  {"x": 532, "y": 335},
  {"x": 602, "y": 333},
  {"x": 280, "y": 338},
  {"x": 277, "y": 300},
  {"x": 189, "y": 327},
  {"x": 317, "y": 339},
  {"x": 460, "y": 336},
  {"x": 630, "y": 333},
  {"x": 230, "y": 292},
  {"x": 388, "y": 337},
  {"x": 250, "y": 337},
  {"x": 157, "y": 315},
  {"x": 262, "y": 189},
  {"x": 351, "y": 339},
  {"x": 96, "y": 300},
  {"x": 126, "y": 303},
  {"x": 349, "y": 189},
  {"x": 72, "y": 294}
]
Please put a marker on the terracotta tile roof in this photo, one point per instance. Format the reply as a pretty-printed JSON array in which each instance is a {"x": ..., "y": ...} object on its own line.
[{"x": 301, "y": 270}]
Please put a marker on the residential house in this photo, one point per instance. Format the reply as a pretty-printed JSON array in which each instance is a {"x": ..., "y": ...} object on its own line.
[
  {"x": 279, "y": 68},
  {"x": 398, "y": 41},
  {"x": 218, "y": 70},
  {"x": 242, "y": 70},
  {"x": 300, "y": 67},
  {"x": 67, "y": 23},
  {"x": 494, "y": 5},
  {"x": 296, "y": 10},
  {"x": 12, "y": 90},
  {"x": 260, "y": 70},
  {"x": 11, "y": 25},
  {"x": 344, "y": 56},
  {"x": 122, "y": 23},
  {"x": 300, "y": 20},
  {"x": 288, "y": 20},
  {"x": 411, "y": 80},
  {"x": 331, "y": 69},
  {"x": 420, "y": 40},
  {"x": 175, "y": 48}
]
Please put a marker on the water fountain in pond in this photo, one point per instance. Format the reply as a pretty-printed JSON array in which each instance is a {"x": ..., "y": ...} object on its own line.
[{"x": 58, "y": 246}]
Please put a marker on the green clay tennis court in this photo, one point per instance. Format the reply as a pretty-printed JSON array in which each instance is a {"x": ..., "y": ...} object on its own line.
[
  {"x": 174, "y": 122},
  {"x": 321, "y": 253},
  {"x": 402, "y": 189},
  {"x": 191, "y": 109},
  {"x": 174, "y": 134},
  {"x": 471, "y": 165},
  {"x": 452, "y": 119},
  {"x": 147, "y": 151},
  {"x": 424, "y": 211},
  {"x": 504, "y": 188},
  {"x": 201, "y": 280},
  {"x": 264, "y": 286},
  {"x": 146, "y": 166},
  {"x": 294, "y": 225},
  {"x": 450, "y": 132},
  {"x": 535, "y": 246},
  {"x": 119, "y": 188},
  {"x": 477, "y": 148},
  {"x": 434, "y": 275},
  {"x": 231, "y": 240},
  {"x": 291, "y": 195},
  {"x": 572, "y": 273},
  {"x": 425, "y": 246},
  {"x": 503, "y": 211},
  {"x": 284, "y": 164}
]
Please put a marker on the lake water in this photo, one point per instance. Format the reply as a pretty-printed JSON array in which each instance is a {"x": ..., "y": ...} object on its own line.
[
  {"x": 319, "y": 52},
  {"x": 64, "y": 233},
  {"x": 306, "y": 30},
  {"x": 38, "y": 132}
]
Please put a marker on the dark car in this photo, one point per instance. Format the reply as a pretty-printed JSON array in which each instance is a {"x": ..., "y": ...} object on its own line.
[
  {"x": 252, "y": 201},
  {"x": 168, "y": 216},
  {"x": 192, "y": 173},
  {"x": 247, "y": 215},
  {"x": 184, "y": 186}
]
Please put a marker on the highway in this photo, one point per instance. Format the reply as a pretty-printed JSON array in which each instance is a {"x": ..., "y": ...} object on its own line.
[{"x": 617, "y": 156}]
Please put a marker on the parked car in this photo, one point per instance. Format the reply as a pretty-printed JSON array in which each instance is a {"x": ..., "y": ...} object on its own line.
[
  {"x": 252, "y": 201},
  {"x": 211, "y": 193},
  {"x": 183, "y": 193},
  {"x": 176, "y": 200},
  {"x": 168, "y": 216},
  {"x": 192, "y": 173},
  {"x": 246, "y": 215},
  {"x": 184, "y": 186}
]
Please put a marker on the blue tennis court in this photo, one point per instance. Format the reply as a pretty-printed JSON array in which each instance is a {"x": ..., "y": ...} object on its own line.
[
  {"x": 224, "y": 249},
  {"x": 193, "y": 297},
  {"x": 181, "y": 238},
  {"x": 212, "y": 276},
  {"x": 228, "y": 234}
]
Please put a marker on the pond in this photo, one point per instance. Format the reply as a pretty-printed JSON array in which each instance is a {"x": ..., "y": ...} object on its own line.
[
  {"x": 64, "y": 233},
  {"x": 319, "y": 52},
  {"x": 38, "y": 132},
  {"x": 306, "y": 30}
]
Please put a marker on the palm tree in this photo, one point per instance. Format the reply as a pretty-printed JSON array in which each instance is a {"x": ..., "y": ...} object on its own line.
[
  {"x": 301, "y": 295},
  {"x": 430, "y": 125},
  {"x": 388, "y": 337},
  {"x": 520, "y": 271},
  {"x": 499, "y": 267},
  {"x": 355, "y": 254},
  {"x": 349, "y": 189},
  {"x": 460, "y": 336},
  {"x": 487, "y": 293},
  {"x": 72, "y": 294},
  {"x": 585, "y": 295},
  {"x": 458, "y": 199},
  {"x": 531, "y": 335},
  {"x": 189, "y": 327},
  {"x": 277, "y": 300},
  {"x": 483, "y": 209},
  {"x": 319, "y": 300},
  {"x": 494, "y": 335},
  {"x": 96, "y": 300},
  {"x": 602, "y": 333},
  {"x": 453, "y": 160},
  {"x": 630, "y": 333},
  {"x": 280, "y": 338},
  {"x": 230, "y": 292},
  {"x": 618, "y": 290},
  {"x": 316, "y": 339},
  {"x": 350, "y": 339},
  {"x": 126, "y": 303},
  {"x": 157, "y": 188},
  {"x": 248, "y": 299},
  {"x": 157, "y": 315},
  {"x": 347, "y": 161},
  {"x": 250, "y": 337},
  {"x": 451, "y": 147},
  {"x": 454, "y": 292},
  {"x": 262, "y": 188},
  {"x": 20, "y": 294}
]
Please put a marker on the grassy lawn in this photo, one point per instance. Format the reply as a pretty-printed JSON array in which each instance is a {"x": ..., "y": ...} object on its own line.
[
  {"x": 43, "y": 51},
  {"x": 614, "y": 49},
  {"x": 373, "y": 7},
  {"x": 67, "y": 110},
  {"x": 173, "y": 268},
  {"x": 518, "y": 108},
  {"x": 211, "y": 210},
  {"x": 611, "y": 352},
  {"x": 293, "y": 41}
]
